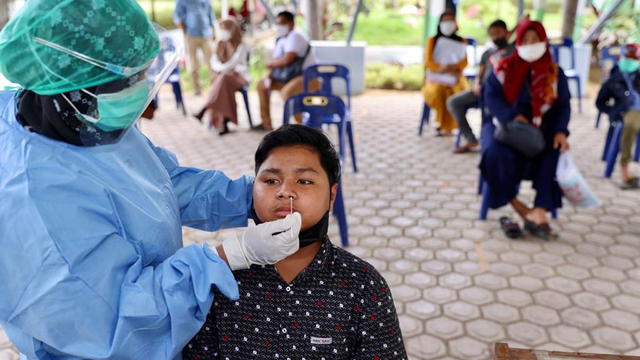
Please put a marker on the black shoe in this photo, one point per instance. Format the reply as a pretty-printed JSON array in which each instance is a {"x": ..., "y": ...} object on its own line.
[
  {"x": 200, "y": 115},
  {"x": 259, "y": 128},
  {"x": 225, "y": 129}
]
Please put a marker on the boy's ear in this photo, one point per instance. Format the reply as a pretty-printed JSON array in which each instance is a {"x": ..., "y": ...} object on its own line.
[{"x": 334, "y": 192}]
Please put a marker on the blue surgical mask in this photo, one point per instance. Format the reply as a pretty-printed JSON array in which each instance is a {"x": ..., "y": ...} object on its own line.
[
  {"x": 628, "y": 65},
  {"x": 117, "y": 111}
]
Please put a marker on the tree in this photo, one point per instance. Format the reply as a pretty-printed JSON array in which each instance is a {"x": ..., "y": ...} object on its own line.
[{"x": 4, "y": 12}]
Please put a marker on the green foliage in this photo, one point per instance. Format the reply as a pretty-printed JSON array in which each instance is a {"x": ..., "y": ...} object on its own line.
[
  {"x": 384, "y": 28},
  {"x": 394, "y": 77},
  {"x": 625, "y": 27}
]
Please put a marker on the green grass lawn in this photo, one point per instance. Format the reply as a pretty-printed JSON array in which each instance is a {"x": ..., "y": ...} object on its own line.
[{"x": 385, "y": 28}]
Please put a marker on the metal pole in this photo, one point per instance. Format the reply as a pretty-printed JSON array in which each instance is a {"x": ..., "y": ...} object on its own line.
[
  {"x": 354, "y": 22},
  {"x": 269, "y": 12},
  {"x": 600, "y": 23},
  {"x": 520, "y": 8}
]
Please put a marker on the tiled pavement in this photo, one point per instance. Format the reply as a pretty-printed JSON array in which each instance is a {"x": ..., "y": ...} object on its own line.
[{"x": 459, "y": 284}]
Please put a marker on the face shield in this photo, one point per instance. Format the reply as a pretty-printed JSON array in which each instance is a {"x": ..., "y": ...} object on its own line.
[{"x": 114, "y": 107}]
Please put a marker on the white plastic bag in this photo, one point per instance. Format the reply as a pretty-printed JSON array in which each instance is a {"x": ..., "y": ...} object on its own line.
[{"x": 573, "y": 185}]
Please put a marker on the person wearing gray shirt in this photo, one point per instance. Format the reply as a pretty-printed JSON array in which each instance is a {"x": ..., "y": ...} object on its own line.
[{"x": 459, "y": 103}]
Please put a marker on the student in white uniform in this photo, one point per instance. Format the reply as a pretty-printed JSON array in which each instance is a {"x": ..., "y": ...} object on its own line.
[{"x": 291, "y": 47}]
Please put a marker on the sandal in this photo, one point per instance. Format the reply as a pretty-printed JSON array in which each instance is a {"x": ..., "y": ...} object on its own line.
[
  {"x": 632, "y": 183},
  {"x": 511, "y": 230},
  {"x": 466, "y": 149},
  {"x": 542, "y": 231}
]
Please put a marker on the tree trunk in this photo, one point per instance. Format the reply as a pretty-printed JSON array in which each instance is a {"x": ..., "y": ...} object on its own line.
[
  {"x": 569, "y": 8},
  {"x": 4, "y": 12},
  {"x": 314, "y": 21},
  {"x": 153, "y": 10}
]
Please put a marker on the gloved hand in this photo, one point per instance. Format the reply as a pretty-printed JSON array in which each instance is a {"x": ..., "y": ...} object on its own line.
[{"x": 264, "y": 244}]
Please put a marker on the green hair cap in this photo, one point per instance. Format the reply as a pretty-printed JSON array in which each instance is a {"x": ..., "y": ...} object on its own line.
[{"x": 56, "y": 46}]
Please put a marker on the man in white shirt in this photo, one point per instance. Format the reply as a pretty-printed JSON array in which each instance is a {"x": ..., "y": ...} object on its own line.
[{"x": 291, "y": 45}]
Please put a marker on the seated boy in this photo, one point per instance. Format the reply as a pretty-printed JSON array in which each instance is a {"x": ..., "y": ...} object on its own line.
[
  {"x": 319, "y": 303},
  {"x": 623, "y": 87}
]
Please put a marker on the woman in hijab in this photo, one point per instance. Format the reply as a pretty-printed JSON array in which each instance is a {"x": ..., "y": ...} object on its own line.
[
  {"x": 443, "y": 80},
  {"x": 231, "y": 74},
  {"x": 527, "y": 87}
]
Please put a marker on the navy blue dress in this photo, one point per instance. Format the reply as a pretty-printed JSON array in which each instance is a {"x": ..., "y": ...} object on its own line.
[{"x": 504, "y": 168}]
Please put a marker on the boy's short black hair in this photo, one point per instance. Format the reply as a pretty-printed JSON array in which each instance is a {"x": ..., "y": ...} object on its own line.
[
  {"x": 301, "y": 135},
  {"x": 287, "y": 15},
  {"x": 498, "y": 23}
]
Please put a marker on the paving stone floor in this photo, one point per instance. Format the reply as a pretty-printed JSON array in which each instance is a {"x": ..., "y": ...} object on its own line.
[{"x": 459, "y": 284}]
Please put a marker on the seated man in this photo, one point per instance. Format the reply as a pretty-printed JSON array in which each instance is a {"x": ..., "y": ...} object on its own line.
[
  {"x": 623, "y": 87},
  {"x": 460, "y": 102},
  {"x": 322, "y": 302},
  {"x": 291, "y": 45}
]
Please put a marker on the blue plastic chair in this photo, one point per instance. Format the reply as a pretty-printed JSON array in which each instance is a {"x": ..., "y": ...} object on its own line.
[
  {"x": 608, "y": 60},
  {"x": 327, "y": 72},
  {"x": 571, "y": 74},
  {"x": 316, "y": 108},
  {"x": 426, "y": 112},
  {"x": 612, "y": 147},
  {"x": 245, "y": 95}
]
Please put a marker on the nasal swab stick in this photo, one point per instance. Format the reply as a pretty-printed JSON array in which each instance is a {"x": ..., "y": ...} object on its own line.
[{"x": 291, "y": 198}]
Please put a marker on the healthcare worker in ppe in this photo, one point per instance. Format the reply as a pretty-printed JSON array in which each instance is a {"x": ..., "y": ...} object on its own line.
[{"x": 91, "y": 211}]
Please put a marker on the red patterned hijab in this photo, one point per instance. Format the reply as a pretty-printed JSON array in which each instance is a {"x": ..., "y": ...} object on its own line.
[{"x": 513, "y": 72}]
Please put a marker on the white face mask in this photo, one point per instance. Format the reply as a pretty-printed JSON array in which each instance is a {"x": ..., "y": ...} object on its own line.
[
  {"x": 282, "y": 30},
  {"x": 533, "y": 52},
  {"x": 447, "y": 28},
  {"x": 225, "y": 35}
]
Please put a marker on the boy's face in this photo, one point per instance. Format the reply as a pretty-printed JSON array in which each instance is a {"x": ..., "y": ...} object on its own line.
[{"x": 292, "y": 171}]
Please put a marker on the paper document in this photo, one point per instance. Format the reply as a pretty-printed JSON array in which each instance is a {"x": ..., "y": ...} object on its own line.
[
  {"x": 448, "y": 52},
  {"x": 444, "y": 79}
]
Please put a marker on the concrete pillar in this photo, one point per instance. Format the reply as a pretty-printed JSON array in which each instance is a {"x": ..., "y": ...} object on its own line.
[
  {"x": 313, "y": 19},
  {"x": 569, "y": 8},
  {"x": 436, "y": 8},
  {"x": 539, "y": 9},
  {"x": 577, "y": 29},
  {"x": 224, "y": 9}
]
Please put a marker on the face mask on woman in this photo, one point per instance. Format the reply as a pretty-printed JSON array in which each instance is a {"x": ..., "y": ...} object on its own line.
[
  {"x": 447, "y": 28},
  {"x": 225, "y": 35},
  {"x": 533, "y": 52},
  {"x": 628, "y": 65}
]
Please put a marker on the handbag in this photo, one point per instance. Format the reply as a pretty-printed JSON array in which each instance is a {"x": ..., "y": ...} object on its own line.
[
  {"x": 286, "y": 73},
  {"x": 522, "y": 137}
]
